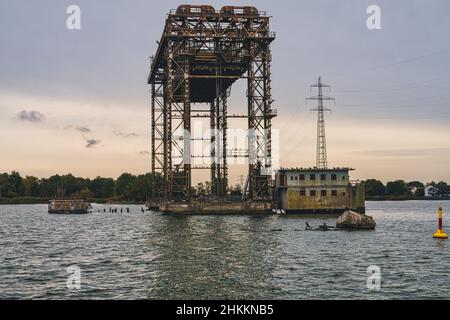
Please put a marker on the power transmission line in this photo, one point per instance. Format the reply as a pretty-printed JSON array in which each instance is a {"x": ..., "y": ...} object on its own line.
[
  {"x": 418, "y": 116},
  {"x": 399, "y": 87},
  {"x": 389, "y": 65},
  {"x": 398, "y": 101},
  {"x": 362, "y": 105}
]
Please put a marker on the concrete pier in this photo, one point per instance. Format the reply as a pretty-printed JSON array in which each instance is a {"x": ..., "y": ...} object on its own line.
[{"x": 219, "y": 208}]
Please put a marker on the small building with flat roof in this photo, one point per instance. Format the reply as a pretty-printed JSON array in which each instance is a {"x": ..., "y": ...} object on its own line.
[{"x": 314, "y": 190}]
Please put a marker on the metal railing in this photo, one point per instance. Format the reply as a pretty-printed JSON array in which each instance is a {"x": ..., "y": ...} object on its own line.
[{"x": 262, "y": 14}]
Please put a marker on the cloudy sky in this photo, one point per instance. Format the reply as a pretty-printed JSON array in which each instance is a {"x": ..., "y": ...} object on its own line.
[{"x": 77, "y": 100}]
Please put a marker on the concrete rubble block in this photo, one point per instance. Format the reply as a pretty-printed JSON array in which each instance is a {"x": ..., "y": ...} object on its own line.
[{"x": 352, "y": 220}]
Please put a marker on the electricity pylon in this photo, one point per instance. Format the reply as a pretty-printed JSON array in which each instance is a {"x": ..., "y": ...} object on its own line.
[{"x": 321, "y": 152}]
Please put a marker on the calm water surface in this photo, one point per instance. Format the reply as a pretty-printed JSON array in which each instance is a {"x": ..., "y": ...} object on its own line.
[{"x": 149, "y": 256}]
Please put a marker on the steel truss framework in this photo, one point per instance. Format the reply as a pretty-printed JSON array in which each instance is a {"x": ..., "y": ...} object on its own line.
[{"x": 202, "y": 52}]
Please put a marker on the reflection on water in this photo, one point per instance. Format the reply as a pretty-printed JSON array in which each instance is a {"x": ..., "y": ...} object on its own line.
[
  {"x": 149, "y": 256},
  {"x": 212, "y": 257}
]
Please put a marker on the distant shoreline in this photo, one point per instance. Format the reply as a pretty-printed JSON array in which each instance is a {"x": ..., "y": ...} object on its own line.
[
  {"x": 404, "y": 198},
  {"x": 38, "y": 200}
]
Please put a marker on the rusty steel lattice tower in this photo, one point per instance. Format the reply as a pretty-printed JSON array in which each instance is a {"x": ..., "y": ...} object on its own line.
[
  {"x": 202, "y": 52},
  {"x": 321, "y": 152}
]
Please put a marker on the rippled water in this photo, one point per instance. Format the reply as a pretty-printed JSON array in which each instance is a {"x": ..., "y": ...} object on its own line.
[{"x": 149, "y": 256}]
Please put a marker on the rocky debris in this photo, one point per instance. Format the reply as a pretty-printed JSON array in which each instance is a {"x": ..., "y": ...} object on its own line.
[{"x": 352, "y": 220}]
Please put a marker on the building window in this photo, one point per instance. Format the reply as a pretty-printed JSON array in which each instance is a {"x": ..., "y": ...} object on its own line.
[
  {"x": 323, "y": 177},
  {"x": 302, "y": 177},
  {"x": 334, "y": 193},
  {"x": 292, "y": 178},
  {"x": 343, "y": 177},
  {"x": 296, "y": 178},
  {"x": 282, "y": 180},
  {"x": 323, "y": 193},
  {"x": 312, "y": 193},
  {"x": 343, "y": 193},
  {"x": 312, "y": 177},
  {"x": 333, "y": 177},
  {"x": 302, "y": 192}
]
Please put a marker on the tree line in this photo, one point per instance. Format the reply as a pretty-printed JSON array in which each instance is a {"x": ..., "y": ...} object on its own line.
[
  {"x": 126, "y": 187},
  {"x": 401, "y": 188},
  {"x": 129, "y": 187}
]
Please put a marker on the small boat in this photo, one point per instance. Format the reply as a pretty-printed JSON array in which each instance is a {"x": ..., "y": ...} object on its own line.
[{"x": 69, "y": 206}]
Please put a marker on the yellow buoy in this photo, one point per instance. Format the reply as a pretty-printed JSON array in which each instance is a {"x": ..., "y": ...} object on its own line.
[{"x": 440, "y": 233}]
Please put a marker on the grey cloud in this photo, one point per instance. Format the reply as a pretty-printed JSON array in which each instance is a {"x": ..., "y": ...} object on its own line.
[
  {"x": 125, "y": 135},
  {"x": 92, "y": 143},
  {"x": 82, "y": 129},
  {"x": 31, "y": 116}
]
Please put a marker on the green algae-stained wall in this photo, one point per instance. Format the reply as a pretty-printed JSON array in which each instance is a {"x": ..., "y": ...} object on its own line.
[
  {"x": 318, "y": 189},
  {"x": 351, "y": 197}
]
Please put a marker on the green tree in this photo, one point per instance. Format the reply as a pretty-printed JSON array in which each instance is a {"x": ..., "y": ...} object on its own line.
[
  {"x": 102, "y": 187},
  {"x": 416, "y": 188},
  {"x": 16, "y": 183},
  {"x": 69, "y": 184},
  {"x": 374, "y": 188},
  {"x": 47, "y": 187},
  {"x": 444, "y": 189},
  {"x": 139, "y": 188},
  {"x": 5, "y": 185},
  {"x": 396, "y": 188},
  {"x": 122, "y": 182},
  {"x": 107, "y": 188},
  {"x": 31, "y": 186},
  {"x": 84, "y": 193},
  {"x": 54, "y": 186}
]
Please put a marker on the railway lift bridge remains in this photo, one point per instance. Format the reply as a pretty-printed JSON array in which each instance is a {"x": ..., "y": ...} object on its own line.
[{"x": 201, "y": 54}]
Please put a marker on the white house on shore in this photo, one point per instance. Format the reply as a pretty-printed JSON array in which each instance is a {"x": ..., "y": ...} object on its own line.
[{"x": 431, "y": 192}]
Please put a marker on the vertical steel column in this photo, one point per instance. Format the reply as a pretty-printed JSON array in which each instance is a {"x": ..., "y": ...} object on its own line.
[
  {"x": 157, "y": 135},
  {"x": 267, "y": 58},
  {"x": 224, "y": 128},
  {"x": 212, "y": 128},
  {"x": 219, "y": 126},
  {"x": 178, "y": 122},
  {"x": 187, "y": 129},
  {"x": 153, "y": 135},
  {"x": 260, "y": 124},
  {"x": 215, "y": 135},
  {"x": 168, "y": 106},
  {"x": 219, "y": 190},
  {"x": 251, "y": 132}
]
